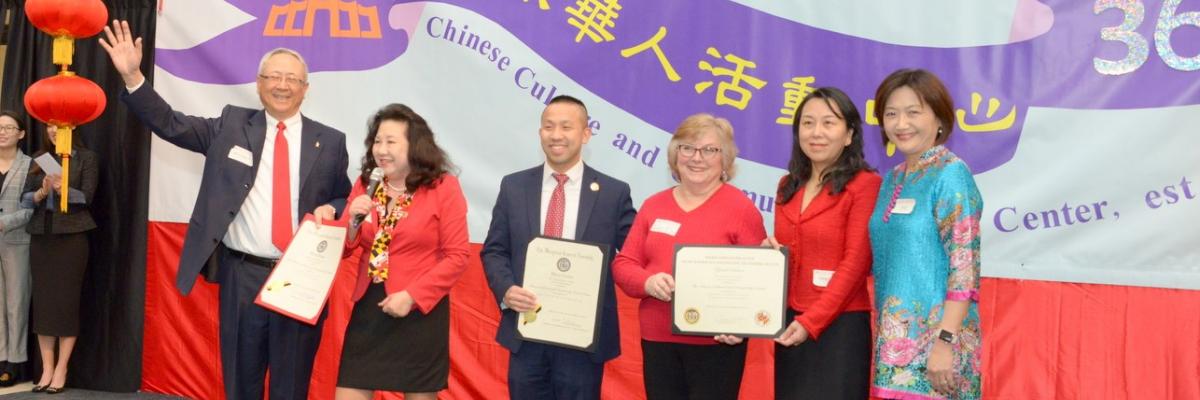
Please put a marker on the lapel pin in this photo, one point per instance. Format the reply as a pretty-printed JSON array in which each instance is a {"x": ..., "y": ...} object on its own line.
[
  {"x": 317, "y": 145},
  {"x": 595, "y": 187}
]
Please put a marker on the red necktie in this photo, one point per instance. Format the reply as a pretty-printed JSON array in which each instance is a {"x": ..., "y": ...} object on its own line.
[
  {"x": 281, "y": 193},
  {"x": 558, "y": 205}
]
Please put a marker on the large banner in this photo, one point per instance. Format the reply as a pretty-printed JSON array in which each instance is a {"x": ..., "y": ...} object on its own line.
[{"x": 1077, "y": 117}]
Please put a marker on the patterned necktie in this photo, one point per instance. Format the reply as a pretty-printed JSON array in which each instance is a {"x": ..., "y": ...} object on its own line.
[
  {"x": 281, "y": 192},
  {"x": 558, "y": 206}
]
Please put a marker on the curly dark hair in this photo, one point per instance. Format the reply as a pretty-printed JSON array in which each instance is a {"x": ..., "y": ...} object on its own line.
[
  {"x": 426, "y": 161},
  {"x": 847, "y": 165}
]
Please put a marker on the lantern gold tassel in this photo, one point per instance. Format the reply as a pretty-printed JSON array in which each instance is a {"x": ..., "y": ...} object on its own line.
[
  {"x": 64, "y": 48},
  {"x": 62, "y": 146}
]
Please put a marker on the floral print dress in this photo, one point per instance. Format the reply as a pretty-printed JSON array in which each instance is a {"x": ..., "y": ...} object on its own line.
[{"x": 921, "y": 259}]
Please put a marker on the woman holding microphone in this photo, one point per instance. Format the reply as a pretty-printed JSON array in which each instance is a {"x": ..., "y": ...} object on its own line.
[{"x": 414, "y": 248}]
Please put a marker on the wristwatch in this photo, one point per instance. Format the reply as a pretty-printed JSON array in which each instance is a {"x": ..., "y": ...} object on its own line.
[{"x": 947, "y": 336}]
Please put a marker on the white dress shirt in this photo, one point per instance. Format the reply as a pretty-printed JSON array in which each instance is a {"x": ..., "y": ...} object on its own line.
[
  {"x": 570, "y": 202},
  {"x": 250, "y": 231},
  {"x": 571, "y": 195}
]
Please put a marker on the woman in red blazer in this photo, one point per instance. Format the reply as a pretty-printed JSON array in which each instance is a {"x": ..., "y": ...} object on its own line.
[
  {"x": 414, "y": 241},
  {"x": 824, "y": 203}
]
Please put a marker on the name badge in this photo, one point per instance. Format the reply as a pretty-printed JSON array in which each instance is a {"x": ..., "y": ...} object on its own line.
[
  {"x": 240, "y": 154},
  {"x": 665, "y": 226},
  {"x": 821, "y": 277},
  {"x": 904, "y": 206}
]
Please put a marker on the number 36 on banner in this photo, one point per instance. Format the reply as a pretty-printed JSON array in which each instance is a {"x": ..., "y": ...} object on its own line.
[{"x": 1137, "y": 44}]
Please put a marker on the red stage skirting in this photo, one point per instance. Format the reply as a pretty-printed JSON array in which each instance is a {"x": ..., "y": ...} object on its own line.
[{"x": 1043, "y": 340}]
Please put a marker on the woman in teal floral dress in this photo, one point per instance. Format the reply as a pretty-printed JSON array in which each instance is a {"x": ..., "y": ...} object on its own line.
[{"x": 925, "y": 244}]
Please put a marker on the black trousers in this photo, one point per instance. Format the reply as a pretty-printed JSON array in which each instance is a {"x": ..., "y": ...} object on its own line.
[
  {"x": 674, "y": 371},
  {"x": 254, "y": 339},
  {"x": 837, "y": 366}
]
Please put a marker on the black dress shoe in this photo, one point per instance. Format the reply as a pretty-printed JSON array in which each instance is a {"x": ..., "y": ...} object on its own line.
[
  {"x": 19, "y": 374},
  {"x": 39, "y": 388},
  {"x": 55, "y": 390}
]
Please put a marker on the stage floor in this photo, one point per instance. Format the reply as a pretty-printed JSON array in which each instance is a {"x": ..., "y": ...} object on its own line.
[{"x": 21, "y": 392}]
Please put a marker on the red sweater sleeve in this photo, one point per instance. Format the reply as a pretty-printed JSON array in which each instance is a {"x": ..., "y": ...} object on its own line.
[
  {"x": 429, "y": 288},
  {"x": 851, "y": 272},
  {"x": 629, "y": 267}
]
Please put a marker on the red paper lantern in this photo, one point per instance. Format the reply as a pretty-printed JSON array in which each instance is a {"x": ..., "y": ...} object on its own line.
[
  {"x": 67, "y": 20},
  {"x": 65, "y": 101}
]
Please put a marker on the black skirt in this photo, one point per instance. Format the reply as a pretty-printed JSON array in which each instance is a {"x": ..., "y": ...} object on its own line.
[
  {"x": 837, "y": 366},
  {"x": 57, "y": 263},
  {"x": 410, "y": 354}
]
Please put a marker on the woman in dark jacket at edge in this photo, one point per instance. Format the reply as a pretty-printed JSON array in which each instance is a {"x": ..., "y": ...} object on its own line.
[{"x": 58, "y": 256}]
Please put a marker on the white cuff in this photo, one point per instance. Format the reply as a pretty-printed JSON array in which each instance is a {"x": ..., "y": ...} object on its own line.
[{"x": 134, "y": 88}]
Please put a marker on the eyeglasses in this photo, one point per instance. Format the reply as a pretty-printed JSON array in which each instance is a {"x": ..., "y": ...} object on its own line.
[
  {"x": 706, "y": 152},
  {"x": 9, "y": 129},
  {"x": 291, "y": 80}
]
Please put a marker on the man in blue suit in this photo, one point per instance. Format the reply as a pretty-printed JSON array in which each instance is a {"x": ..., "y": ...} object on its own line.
[
  {"x": 561, "y": 198},
  {"x": 263, "y": 170}
]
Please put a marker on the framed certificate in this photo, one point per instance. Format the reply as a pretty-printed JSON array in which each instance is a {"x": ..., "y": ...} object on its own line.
[
  {"x": 734, "y": 290},
  {"x": 567, "y": 277},
  {"x": 298, "y": 286}
]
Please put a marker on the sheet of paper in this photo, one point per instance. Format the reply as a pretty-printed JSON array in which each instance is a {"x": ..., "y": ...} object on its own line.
[
  {"x": 299, "y": 285},
  {"x": 47, "y": 162}
]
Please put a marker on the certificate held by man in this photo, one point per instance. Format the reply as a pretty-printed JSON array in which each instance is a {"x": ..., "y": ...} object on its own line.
[
  {"x": 567, "y": 278},
  {"x": 299, "y": 285},
  {"x": 733, "y": 290}
]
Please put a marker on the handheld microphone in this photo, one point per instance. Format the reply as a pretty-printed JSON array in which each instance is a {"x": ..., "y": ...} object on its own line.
[{"x": 372, "y": 185}]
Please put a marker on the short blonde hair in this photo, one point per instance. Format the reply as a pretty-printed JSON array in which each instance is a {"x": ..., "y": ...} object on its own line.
[{"x": 695, "y": 126}]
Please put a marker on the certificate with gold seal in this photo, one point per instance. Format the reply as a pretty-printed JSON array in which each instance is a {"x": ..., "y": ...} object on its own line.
[
  {"x": 567, "y": 277},
  {"x": 733, "y": 290},
  {"x": 299, "y": 285}
]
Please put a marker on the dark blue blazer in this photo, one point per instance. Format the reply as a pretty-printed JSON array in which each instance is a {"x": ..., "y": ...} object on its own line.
[
  {"x": 605, "y": 216},
  {"x": 225, "y": 182}
]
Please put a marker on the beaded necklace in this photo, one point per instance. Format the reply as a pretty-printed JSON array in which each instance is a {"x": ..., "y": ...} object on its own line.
[{"x": 887, "y": 214}]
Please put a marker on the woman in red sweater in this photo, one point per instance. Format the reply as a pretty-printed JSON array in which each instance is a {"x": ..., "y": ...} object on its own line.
[
  {"x": 702, "y": 209},
  {"x": 414, "y": 242},
  {"x": 824, "y": 203}
]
